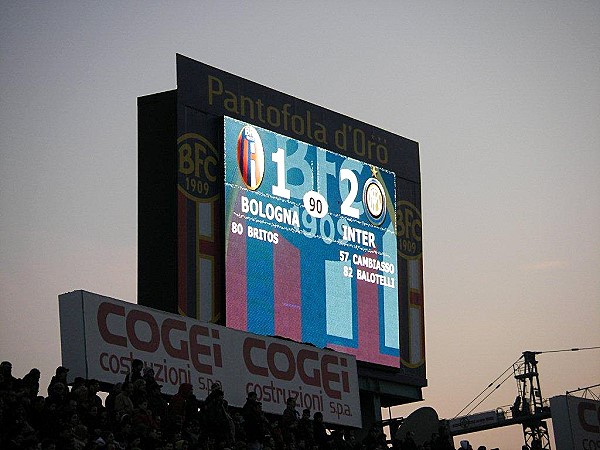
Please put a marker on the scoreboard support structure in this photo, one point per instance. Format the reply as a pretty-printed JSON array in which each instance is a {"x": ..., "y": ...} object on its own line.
[{"x": 265, "y": 213}]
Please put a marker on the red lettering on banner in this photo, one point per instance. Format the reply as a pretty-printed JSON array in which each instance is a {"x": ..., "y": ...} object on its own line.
[
  {"x": 159, "y": 373},
  {"x": 311, "y": 355},
  {"x": 202, "y": 341},
  {"x": 197, "y": 349},
  {"x": 581, "y": 409},
  {"x": 249, "y": 344},
  {"x": 340, "y": 409},
  {"x": 104, "y": 357},
  {"x": 167, "y": 326},
  {"x": 103, "y": 311},
  {"x": 273, "y": 350},
  {"x": 325, "y": 377},
  {"x": 135, "y": 316},
  {"x": 345, "y": 380},
  {"x": 329, "y": 377},
  {"x": 217, "y": 349}
]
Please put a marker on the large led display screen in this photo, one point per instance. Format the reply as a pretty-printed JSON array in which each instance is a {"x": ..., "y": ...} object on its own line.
[{"x": 310, "y": 244}]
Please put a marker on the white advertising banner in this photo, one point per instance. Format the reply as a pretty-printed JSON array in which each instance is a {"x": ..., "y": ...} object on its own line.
[
  {"x": 100, "y": 336},
  {"x": 460, "y": 424},
  {"x": 576, "y": 422}
]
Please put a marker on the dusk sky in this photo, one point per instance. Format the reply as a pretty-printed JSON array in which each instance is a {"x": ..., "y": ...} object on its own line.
[{"x": 503, "y": 98}]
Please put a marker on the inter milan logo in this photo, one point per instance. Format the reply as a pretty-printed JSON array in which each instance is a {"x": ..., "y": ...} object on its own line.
[
  {"x": 251, "y": 157},
  {"x": 374, "y": 201}
]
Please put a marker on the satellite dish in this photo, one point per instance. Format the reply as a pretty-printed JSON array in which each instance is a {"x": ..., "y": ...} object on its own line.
[{"x": 422, "y": 423}]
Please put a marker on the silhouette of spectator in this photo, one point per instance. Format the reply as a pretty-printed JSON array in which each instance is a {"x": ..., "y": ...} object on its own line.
[
  {"x": 80, "y": 393},
  {"x": 156, "y": 402},
  {"x": 94, "y": 418},
  {"x": 80, "y": 436},
  {"x": 276, "y": 441},
  {"x": 254, "y": 426},
  {"x": 8, "y": 381},
  {"x": 109, "y": 403},
  {"x": 465, "y": 445},
  {"x": 94, "y": 399},
  {"x": 142, "y": 420},
  {"x": 192, "y": 433},
  {"x": 221, "y": 426},
  {"x": 136, "y": 371},
  {"x": 60, "y": 376},
  {"x": 123, "y": 402},
  {"x": 149, "y": 378},
  {"x": 338, "y": 442},
  {"x": 57, "y": 395},
  {"x": 289, "y": 421},
  {"x": 251, "y": 399},
  {"x": 31, "y": 382},
  {"x": 139, "y": 391},
  {"x": 304, "y": 432},
  {"x": 177, "y": 405},
  {"x": 321, "y": 438}
]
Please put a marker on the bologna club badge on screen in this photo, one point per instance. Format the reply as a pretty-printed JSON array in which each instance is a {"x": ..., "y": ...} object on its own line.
[{"x": 251, "y": 157}]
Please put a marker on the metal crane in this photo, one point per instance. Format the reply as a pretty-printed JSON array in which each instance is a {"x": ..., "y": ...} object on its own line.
[{"x": 530, "y": 409}]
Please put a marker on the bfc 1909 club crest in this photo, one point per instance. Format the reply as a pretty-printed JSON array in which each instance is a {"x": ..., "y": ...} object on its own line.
[{"x": 251, "y": 157}]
